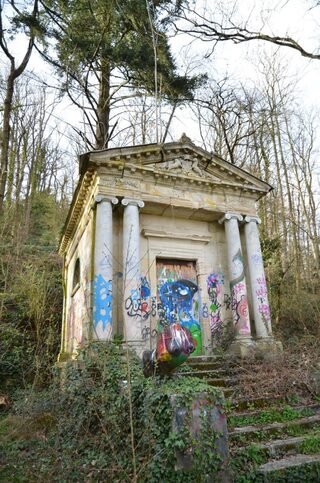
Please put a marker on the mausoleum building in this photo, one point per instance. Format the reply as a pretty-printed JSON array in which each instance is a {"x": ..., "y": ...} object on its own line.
[{"x": 163, "y": 233}]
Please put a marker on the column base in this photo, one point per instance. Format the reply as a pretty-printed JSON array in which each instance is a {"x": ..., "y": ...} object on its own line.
[
  {"x": 138, "y": 346},
  {"x": 269, "y": 345},
  {"x": 242, "y": 346}
]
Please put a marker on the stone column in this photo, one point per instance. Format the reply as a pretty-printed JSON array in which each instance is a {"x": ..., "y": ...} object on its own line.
[
  {"x": 131, "y": 273},
  {"x": 102, "y": 282},
  {"x": 238, "y": 288},
  {"x": 259, "y": 292}
]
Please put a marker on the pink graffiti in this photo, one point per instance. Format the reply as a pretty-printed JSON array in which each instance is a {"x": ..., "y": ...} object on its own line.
[
  {"x": 239, "y": 288},
  {"x": 241, "y": 314},
  {"x": 264, "y": 310},
  {"x": 242, "y": 308},
  {"x": 262, "y": 291},
  {"x": 262, "y": 281},
  {"x": 214, "y": 285}
]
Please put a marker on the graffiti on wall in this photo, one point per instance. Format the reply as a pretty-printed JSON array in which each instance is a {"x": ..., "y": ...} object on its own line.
[
  {"x": 75, "y": 327},
  {"x": 239, "y": 301},
  {"x": 102, "y": 304},
  {"x": 78, "y": 301},
  {"x": 215, "y": 284},
  {"x": 139, "y": 303}
]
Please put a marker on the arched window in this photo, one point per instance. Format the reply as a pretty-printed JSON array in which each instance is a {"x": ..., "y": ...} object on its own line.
[{"x": 76, "y": 276}]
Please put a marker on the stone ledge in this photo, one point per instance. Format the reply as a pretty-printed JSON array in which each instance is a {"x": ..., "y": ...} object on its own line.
[{"x": 179, "y": 236}]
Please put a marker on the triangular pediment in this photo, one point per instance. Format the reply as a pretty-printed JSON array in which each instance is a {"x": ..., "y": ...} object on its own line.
[
  {"x": 181, "y": 159},
  {"x": 185, "y": 166}
]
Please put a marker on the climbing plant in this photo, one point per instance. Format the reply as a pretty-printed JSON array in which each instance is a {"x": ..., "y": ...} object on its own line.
[{"x": 107, "y": 422}]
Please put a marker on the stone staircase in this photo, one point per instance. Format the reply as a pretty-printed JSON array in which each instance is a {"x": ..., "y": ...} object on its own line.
[{"x": 271, "y": 439}]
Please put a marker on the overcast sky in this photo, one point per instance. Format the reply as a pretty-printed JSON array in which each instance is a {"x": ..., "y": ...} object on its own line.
[{"x": 242, "y": 62}]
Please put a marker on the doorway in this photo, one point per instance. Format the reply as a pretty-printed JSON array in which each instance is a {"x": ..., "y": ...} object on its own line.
[{"x": 178, "y": 296}]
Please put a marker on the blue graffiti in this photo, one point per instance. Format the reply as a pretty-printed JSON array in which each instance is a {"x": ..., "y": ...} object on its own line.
[
  {"x": 145, "y": 288},
  {"x": 102, "y": 301},
  {"x": 176, "y": 302}
]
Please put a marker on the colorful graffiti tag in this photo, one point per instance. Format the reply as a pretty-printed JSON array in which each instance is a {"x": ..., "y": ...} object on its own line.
[
  {"x": 178, "y": 298},
  {"x": 102, "y": 304},
  {"x": 215, "y": 283},
  {"x": 139, "y": 304},
  {"x": 239, "y": 301},
  {"x": 262, "y": 294}
]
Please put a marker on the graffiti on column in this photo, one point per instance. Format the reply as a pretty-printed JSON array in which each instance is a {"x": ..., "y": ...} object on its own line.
[
  {"x": 262, "y": 294},
  {"x": 215, "y": 283},
  {"x": 227, "y": 301},
  {"x": 145, "y": 293},
  {"x": 138, "y": 303},
  {"x": 239, "y": 301},
  {"x": 153, "y": 306},
  {"x": 205, "y": 310},
  {"x": 102, "y": 303},
  {"x": 147, "y": 332},
  {"x": 257, "y": 259}
]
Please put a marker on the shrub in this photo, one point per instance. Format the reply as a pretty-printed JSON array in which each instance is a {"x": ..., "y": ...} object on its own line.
[{"x": 108, "y": 423}]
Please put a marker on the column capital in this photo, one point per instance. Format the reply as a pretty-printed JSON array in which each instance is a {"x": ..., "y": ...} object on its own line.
[
  {"x": 229, "y": 216},
  {"x": 129, "y": 201},
  {"x": 112, "y": 199},
  {"x": 254, "y": 219}
]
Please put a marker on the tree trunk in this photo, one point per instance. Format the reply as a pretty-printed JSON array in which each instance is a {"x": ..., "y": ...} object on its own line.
[
  {"x": 6, "y": 136},
  {"x": 103, "y": 107}
]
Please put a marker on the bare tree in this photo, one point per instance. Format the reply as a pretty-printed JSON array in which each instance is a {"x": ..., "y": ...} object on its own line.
[
  {"x": 211, "y": 27},
  {"x": 30, "y": 22}
]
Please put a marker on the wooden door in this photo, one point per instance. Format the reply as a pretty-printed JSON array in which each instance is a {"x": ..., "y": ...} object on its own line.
[{"x": 178, "y": 297}]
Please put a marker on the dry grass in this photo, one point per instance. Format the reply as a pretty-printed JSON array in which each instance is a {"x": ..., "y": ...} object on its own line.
[{"x": 295, "y": 371}]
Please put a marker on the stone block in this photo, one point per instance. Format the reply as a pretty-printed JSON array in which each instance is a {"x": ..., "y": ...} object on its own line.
[{"x": 203, "y": 415}]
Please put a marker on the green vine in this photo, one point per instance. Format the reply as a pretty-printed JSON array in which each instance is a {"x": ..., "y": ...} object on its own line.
[{"x": 91, "y": 436}]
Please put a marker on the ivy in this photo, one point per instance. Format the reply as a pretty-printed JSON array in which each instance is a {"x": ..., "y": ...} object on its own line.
[{"x": 86, "y": 428}]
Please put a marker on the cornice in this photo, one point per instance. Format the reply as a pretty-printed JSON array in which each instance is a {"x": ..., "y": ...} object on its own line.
[
  {"x": 78, "y": 205},
  {"x": 167, "y": 177}
]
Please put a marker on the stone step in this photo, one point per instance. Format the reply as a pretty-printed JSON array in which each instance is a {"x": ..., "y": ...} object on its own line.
[
  {"x": 242, "y": 403},
  {"x": 222, "y": 382},
  {"x": 282, "y": 468},
  {"x": 206, "y": 359},
  {"x": 226, "y": 382},
  {"x": 203, "y": 374},
  {"x": 256, "y": 412},
  {"x": 253, "y": 432},
  {"x": 280, "y": 446},
  {"x": 212, "y": 361},
  {"x": 207, "y": 366},
  {"x": 272, "y": 414}
]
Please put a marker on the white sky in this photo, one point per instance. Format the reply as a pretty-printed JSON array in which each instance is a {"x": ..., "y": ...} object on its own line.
[{"x": 242, "y": 62}]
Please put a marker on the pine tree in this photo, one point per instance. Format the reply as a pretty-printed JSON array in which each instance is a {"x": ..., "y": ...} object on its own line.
[{"x": 105, "y": 46}]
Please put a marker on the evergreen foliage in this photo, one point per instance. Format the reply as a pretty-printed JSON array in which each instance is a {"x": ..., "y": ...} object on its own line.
[{"x": 105, "y": 45}]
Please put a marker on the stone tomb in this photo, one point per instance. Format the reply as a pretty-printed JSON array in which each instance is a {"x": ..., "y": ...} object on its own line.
[{"x": 163, "y": 233}]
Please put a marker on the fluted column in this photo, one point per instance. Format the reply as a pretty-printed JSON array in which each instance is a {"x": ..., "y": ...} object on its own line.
[
  {"x": 102, "y": 282},
  {"x": 238, "y": 288},
  {"x": 259, "y": 292},
  {"x": 131, "y": 271}
]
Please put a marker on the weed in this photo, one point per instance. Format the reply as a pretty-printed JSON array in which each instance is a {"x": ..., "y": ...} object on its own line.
[{"x": 310, "y": 445}]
